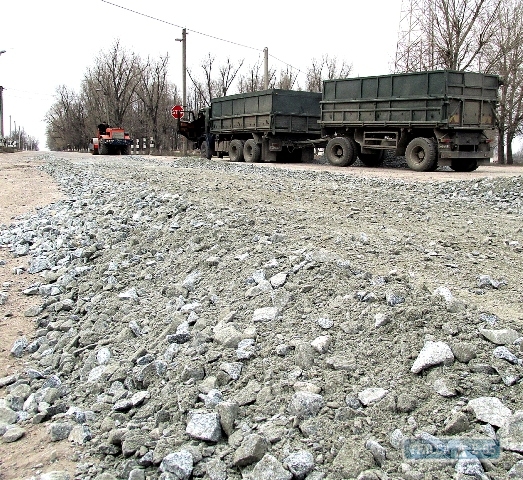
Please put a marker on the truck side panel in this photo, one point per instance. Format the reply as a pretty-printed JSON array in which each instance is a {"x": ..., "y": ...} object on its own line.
[
  {"x": 269, "y": 111},
  {"x": 423, "y": 99}
]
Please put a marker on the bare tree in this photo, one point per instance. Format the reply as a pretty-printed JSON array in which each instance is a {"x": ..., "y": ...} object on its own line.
[
  {"x": 325, "y": 69},
  {"x": 451, "y": 34},
  {"x": 66, "y": 126},
  {"x": 461, "y": 29},
  {"x": 505, "y": 57},
  {"x": 212, "y": 87},
  {"x": 254, "y": 80},
  {"x": 116, "y": 76},
  {"x": 152, "y": 93},
  {"x": 228, "y": 73},
  {"x": 287, "y": 80}
]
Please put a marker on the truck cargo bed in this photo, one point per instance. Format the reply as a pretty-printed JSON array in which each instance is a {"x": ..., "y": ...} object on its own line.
[
  {"x": 275, "y": 111},
  {"x": 436, "y": 99}
]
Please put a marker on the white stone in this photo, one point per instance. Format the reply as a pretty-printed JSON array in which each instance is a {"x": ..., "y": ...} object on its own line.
[
  {"x": 265, "y": 314},
  {"x": 96, "y": 373},
  {"x": 371, "y": 395},
  {"x": 505, "y": 336},
  {"x": 321, "y": 344},
  {"x": 511, "y": 434},
  {"x": 278, "y": 280},
  {"x": 490, "y": 410},
  {"x": 103, "y": 356},
  {"x": 432, "y": 353},
  {"x": 204, "y": 426},
  {"x": 444, "y": 292}
]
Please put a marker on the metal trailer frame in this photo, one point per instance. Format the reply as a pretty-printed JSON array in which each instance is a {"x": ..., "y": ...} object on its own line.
[
  {"x": 282, "y": 123},
  {"x": 455, "y": 109}
]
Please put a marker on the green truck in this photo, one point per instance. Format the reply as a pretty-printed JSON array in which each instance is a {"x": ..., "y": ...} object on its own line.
[
  {"x": 432, "y": 118},
  {"x": 263, "y": 126}
]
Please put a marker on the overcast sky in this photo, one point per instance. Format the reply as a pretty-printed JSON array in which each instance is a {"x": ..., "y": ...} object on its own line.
[{"x": 50, "y": 43}]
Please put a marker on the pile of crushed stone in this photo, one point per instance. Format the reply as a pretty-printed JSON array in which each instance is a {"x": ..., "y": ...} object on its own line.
[{"x": 200, "y": 319}]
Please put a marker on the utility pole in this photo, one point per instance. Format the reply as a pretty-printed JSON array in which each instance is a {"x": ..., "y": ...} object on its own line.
[
  {"x": 266, "y": 68},
  {"x": 184, "y": 81},
  {"x": 1, "y": 108},
  {"x": 1, "y": 113}
]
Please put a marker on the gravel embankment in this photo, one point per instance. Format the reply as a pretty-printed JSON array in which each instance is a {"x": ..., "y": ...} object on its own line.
[{"x": 227, "y": 321}]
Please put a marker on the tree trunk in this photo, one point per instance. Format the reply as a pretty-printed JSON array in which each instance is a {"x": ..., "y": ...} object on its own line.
[
  {"x": 510, "y": 156},
  {"x": 501, "y": 148}
]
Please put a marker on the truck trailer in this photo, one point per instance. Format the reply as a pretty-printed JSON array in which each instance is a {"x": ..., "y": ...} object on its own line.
[
  {"x": 432, "y": 118},
  {"x": 263, "y": 126}
]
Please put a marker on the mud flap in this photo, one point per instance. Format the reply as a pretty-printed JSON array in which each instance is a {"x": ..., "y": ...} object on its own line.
[{"x": 266, "y": 154}]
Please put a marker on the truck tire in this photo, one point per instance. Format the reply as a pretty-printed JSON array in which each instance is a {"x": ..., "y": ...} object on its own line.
[
  {"x": 251, "y": 151},
  {"x": 126, "y": 150},
  {"x": 236, "y": 151},
  {"x": 421, "y": 154},
  {"x": 468, "y": 165},
  {"x": 374, "y": 159},
  {"x": 341, "y": 151}
]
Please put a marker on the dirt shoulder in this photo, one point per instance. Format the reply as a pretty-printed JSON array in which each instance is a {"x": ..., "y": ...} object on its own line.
[{"x": 25, "y": 188}]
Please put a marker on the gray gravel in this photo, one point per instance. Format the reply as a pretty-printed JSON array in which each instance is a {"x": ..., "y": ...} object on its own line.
[{"x": 201, "y": 319}]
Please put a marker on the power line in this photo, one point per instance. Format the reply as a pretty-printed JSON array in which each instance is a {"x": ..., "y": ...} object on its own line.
[
  {"x": 199, "y": 33},
  {"x": 31, "y": 92},
  {"x": 285, "y": 63},
  {"x": 178, "y": 26}
]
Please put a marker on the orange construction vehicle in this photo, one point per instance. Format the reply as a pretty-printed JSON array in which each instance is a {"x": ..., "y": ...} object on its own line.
[{"x": 111, "y": 141}]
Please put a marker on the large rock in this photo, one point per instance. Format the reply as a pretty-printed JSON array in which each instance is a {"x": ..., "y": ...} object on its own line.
[
  {"x": 204, "y": 426},
  {"x": 432, "y": 353},
  {"x": 511, "y": 433},
  {"x": 300, "y": 463},
  {"x": 505, "y": 336},
  {"x": 351, "y": 460},
  {"x": 228, "y": 411},
  {"x": 305, "y": 404},
  {"x": 269, "y": 468},
  {"x": 252, "y": 449},
  {"x": 7, "y": 416},
  {"x": 179, "y": 464},
  {"x": 490, "y": 410}
]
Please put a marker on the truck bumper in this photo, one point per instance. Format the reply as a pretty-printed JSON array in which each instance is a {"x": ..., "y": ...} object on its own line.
[{"x": 447, "y": 154}]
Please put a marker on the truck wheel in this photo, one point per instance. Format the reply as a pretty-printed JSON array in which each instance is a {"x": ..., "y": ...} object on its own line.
[
  {"x": 251, "y": 151},
  {"x": 341, "y": 151},
  {"x": 421, "y": 154},
  {"x": 374, "y": 159},
  {"x": 464, "y": 165},
  {"x": 236, "y": 151}
]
